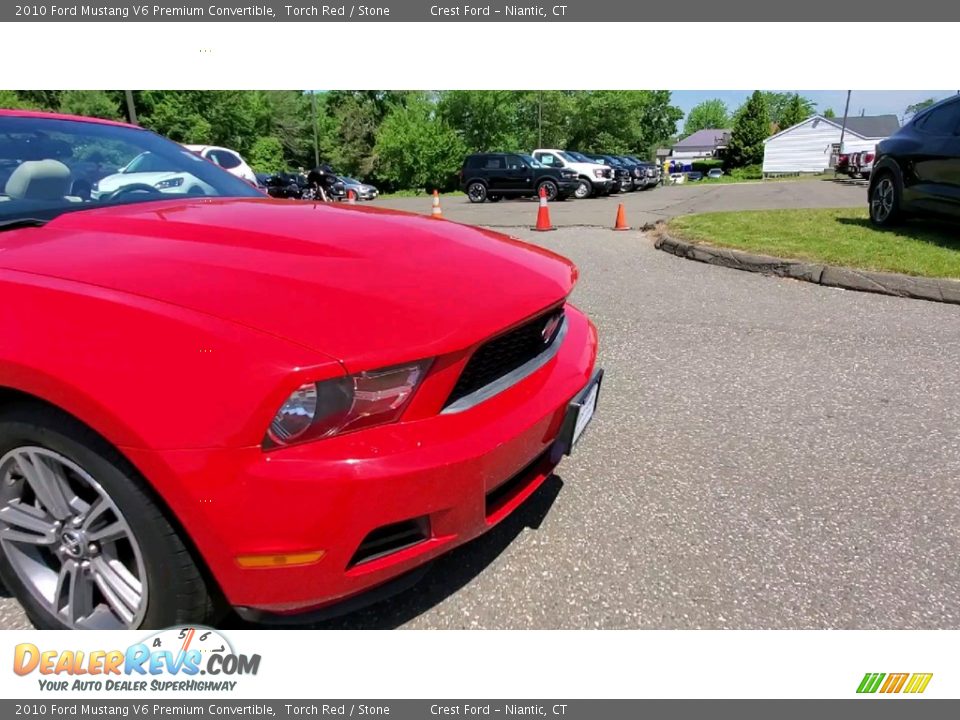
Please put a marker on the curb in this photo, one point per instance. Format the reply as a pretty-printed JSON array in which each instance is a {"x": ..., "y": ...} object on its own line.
[{"x": 920, "y": 288}]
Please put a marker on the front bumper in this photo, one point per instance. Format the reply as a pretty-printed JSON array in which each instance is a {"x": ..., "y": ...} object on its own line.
[{"x": 448, "y": 472}]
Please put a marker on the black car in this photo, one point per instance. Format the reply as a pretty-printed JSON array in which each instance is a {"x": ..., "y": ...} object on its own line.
[
  {"x": 916, "y": 170},
  {"x": 621, "y": 173},
  {"x": 651, "y": 172},
  {"x": 492, "y": 176},
  {"x": 637, "y": 171}
]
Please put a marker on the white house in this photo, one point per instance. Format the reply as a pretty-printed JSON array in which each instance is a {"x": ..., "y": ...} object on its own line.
[{"x": 807, "y": 147}]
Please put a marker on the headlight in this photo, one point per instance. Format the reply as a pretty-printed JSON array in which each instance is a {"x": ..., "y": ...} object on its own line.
[
  {"x": 598, "y": 173},
  {"x": 319, "y": 410},
  {"x": 171, "y": 183}
]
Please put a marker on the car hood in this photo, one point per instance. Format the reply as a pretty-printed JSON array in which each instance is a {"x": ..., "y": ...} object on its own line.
[{"x": 367, "y": 286}]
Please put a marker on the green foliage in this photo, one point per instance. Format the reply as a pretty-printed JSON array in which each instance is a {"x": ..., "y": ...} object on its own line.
[
  {"x": 91, "y": 103},
  {"x": 829, "y": 113},
  {"x": 266, "y": 155},
  {"x": 706, "y": 115},
  {"x": 778, "y": 102},
  {"x": 414, "y": 149},
  {"x": 794, "y": 112},
  {"x": 623, "y": 121},
  {"x": 751, "y": 127},
  {"x": 748, "y": 172},
  {"x": 10, "y": 100},
  {"x": 706, "y": 166}
]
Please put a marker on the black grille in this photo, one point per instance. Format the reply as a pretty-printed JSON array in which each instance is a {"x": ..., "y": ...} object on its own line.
[
  {"x": 391, "y": 538},
  {"x": 506, "y": 353}
]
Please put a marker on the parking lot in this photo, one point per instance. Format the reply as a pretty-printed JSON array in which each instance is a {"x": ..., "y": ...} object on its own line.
[
  {"x": 646, "y": 206},
  {"x": 767, "y": 453}
]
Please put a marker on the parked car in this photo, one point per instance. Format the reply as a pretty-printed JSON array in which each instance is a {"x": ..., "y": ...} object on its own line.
[
  {"x": 275, "y": 406},
  {"x": 694, "y": 175},
  {"x": 593, "y": 179},
  {"x": 714, "y": 173},
  {"x": 148, "y": 171},
  {"x": 916, "y": 171},
  {"x": 363, "y": 191},
  {"x": 493, "y": 176},
  {"x": 843, "y": 164},
  {"x": 861, "y": 164},
  {"x": 652, "y": 172},
  {"x": 623, "y": 177},
  {"x": 284, "y": 185},
  {"x": 229, "y": 160}
]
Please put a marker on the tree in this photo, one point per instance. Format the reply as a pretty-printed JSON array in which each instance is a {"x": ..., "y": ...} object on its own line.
[
  {"x": 91, "y": 103},
  {"x": 706, "y": 115},
  {"x": 12, "y": 100},
  {"x": 751, "y": 127},
  {"x": 795, "y": 111},
  {"x": 415, "y": 148},
  {"x": 623, "y": 121},
  {"x": 917, "y": 107},
  {"x": 266, "y": 155},
  {"x": 777, "y": 103},
  {"x": 829, "y": 113}
]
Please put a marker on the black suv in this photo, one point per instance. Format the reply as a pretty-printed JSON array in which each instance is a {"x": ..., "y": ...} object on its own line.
[
  {"x": 916, "y": 171},
  {"x": 491, "y": 176}
]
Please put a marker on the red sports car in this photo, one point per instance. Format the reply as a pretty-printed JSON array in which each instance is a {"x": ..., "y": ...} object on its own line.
[{"x": 213, "y": 399}]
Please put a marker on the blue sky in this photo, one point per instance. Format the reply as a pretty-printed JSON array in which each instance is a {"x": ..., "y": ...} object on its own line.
[{"x": 872, "y": 102}]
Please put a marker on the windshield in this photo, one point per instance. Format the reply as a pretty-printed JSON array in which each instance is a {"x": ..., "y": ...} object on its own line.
[
  {"x": 532, "y": 161},
  {"x": 580, "y": 157},
  {"x": 50, "y": 166},
  {"x": 568, "y": 156}
]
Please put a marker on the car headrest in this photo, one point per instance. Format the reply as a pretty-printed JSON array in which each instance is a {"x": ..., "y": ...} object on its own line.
[{"x": 39, "y": 180}]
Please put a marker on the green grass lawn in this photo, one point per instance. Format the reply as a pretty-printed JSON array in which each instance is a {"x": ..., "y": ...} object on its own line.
[{"x": 835, "y": 237}]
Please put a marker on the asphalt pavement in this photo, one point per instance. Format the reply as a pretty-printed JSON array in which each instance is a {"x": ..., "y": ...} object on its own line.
[
  {"x": 767, "y": 454},
  {"x": 645, "y": 206}
]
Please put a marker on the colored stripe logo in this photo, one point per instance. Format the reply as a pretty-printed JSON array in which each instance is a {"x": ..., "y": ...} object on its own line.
[{"x": 913, "y": 683}]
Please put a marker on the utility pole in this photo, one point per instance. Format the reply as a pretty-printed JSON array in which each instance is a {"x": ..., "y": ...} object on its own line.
[
  {"x": 843, "y": 127},
  {"x": 316, "y": 139},
  {"x": 131, "y": 108}
]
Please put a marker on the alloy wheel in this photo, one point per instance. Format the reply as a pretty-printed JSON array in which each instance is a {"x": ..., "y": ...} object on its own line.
[
  {"x": 68, "y": 542},
  {"x": 583, "y": 190},
  {"x": 881, "y": 205}
]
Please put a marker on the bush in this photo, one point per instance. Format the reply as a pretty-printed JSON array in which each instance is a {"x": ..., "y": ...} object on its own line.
[
  {"x": 749, "y": 172},
  {"x": 706, "y": 166}
]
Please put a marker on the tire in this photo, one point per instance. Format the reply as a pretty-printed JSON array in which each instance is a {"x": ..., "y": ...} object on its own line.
[
  {"x": 476, "y": 192},
  {"x": 494, "y": 198},
  {"x": 584, "y": 189},
  {"x": 550, "y": 188},
  {"x": 885, "y": 200},
  {"x": 133, "y": 532}
]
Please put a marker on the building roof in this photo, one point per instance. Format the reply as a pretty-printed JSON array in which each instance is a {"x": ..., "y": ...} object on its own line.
[
  {"x": 873, "y": 126},
  {"x": 709, "y": 138},
  {"x": 867, "y": 127}
]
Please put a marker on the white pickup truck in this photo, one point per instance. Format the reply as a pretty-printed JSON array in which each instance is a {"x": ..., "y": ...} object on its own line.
[{"x": 595, "y": 179}]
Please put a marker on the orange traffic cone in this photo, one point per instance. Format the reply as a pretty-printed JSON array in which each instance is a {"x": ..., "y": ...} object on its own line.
[
  {"x": 351, "y": 197},
  {"x": 543, "y": 214},
  {"x": 436, "y": 212},
  {"x": 621, "y": 223}
]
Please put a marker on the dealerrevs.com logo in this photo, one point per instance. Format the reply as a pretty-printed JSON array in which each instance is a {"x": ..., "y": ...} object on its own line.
[{"x": 178, "y": 659}]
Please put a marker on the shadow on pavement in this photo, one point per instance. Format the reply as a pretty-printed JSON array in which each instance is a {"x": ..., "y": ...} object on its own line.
[{"x": 448, "y": 574}]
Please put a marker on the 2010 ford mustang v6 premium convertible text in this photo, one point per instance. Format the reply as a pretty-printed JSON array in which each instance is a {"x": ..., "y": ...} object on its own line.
[{"x": 212, "y": 399}]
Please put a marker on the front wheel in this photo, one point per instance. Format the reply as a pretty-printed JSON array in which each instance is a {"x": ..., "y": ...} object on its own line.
[
  {"x": 83, "y": 545},
  {"x": 476, "y": 192},
  {"x": 549, "y": 188},
  {"x": 885, "y": 201},
  {"x": 584, "y": 189}
]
